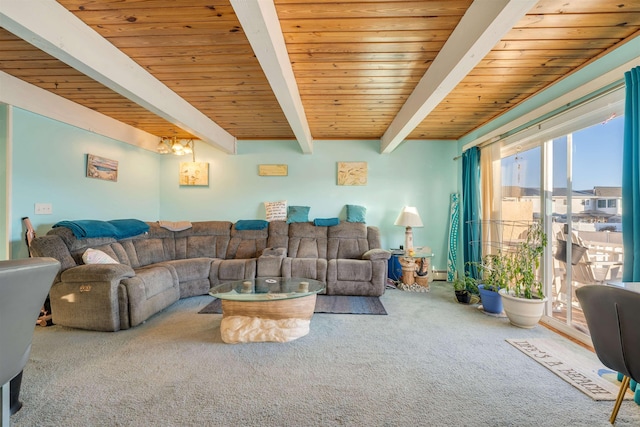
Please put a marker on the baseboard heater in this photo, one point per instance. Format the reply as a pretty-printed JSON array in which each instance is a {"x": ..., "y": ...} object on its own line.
[{"x": 439, "y": 274}]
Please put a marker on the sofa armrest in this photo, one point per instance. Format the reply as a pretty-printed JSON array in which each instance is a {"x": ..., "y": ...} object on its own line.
[
  {"x": 374, "y": 254},
  {"x": 97, "y": 273},
  {"x": 92, "y": 297}
]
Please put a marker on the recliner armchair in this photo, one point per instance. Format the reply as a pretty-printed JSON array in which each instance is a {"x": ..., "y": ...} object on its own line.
[{"x": 24, "y": 285}]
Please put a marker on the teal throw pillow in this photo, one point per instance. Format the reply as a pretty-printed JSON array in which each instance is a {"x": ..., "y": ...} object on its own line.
[
  {"x": 326, "y": 222},
  {"x": 356, "y": 213},
  {"x": 297, "y": 214},
  {"x": 251, "y": 224}
]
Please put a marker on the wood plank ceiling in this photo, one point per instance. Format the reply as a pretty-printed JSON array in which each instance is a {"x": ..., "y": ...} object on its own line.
[{"x": 355, "y": 62}]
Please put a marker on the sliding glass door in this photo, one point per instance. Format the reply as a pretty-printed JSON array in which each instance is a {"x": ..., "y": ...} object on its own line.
[
  {"x": 586, "y": 206},
  {"x": 581, "y": 205}
]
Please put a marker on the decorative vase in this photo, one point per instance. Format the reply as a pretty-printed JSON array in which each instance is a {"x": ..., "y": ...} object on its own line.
[
  {"x": 491, "y": 301},
  {"x": 522, "y": 312},
  {"x": 463, "y": 297}
]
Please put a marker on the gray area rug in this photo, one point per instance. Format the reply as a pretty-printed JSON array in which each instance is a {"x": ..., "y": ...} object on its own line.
[
  {"x": 429, "y": 362},
  {"x": 337, "y": 304}
]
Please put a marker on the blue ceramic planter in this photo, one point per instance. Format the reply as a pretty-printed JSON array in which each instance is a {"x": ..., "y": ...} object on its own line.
[{"x": 491, "y": 301}]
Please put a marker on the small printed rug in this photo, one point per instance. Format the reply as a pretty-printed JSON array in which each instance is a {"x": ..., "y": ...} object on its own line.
[
  {"x": 338, "y": 304},
  {"x": 584, "y": 373}
]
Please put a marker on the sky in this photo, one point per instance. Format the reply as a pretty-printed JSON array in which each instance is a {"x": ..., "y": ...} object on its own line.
[{"x": 597, "y": 159}]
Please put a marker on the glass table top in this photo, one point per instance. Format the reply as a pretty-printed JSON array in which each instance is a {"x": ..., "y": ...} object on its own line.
[{"x": 267, "y": 289}]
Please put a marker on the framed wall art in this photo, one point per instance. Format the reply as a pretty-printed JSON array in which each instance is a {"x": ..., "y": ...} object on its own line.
[
  {"x": 273, "y": 170},
  {"x": 194, "y": 173},
  {"x": 352, "y": 173},
  {"x": 101, "y": 168}
]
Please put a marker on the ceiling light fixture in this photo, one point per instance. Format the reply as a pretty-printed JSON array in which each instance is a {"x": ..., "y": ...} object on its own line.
[{"x": 176, "y": 146}]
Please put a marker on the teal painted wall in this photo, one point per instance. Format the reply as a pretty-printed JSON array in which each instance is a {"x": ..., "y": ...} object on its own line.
[
  {"x": 418, "y": 173},
  {"x": 49, "y": 166},
  {"x": 3, "y": 182}
]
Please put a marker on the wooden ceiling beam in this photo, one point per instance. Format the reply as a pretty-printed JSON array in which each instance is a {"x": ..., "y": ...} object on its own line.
[
  {"x": 481, "y": 27},
  {"x": 53, "y": 29},
  {"x": 260, "y": 23}
]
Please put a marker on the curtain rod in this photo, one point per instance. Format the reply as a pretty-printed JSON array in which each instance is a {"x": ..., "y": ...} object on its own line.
[{"x": 549, "y": 116}]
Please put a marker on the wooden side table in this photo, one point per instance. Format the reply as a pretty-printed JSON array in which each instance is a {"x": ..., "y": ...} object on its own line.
[{"x": 417, "y": 265}]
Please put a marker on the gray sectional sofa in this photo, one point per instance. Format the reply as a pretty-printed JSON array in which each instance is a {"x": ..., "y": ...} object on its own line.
[{"x": 159, "y": 267}]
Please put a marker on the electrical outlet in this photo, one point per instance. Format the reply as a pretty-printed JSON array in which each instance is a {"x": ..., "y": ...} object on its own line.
[{"x": 43, "y": 209}]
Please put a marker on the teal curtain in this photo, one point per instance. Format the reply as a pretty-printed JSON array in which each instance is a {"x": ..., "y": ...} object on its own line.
[
  {"x": 631, "y": 178},
  {"x": 471, "y": 209}
]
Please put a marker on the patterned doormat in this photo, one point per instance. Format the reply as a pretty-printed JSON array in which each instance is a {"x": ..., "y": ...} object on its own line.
[
  {"x": 338, "y": 304},
  {"x": 587, "y": 374}
]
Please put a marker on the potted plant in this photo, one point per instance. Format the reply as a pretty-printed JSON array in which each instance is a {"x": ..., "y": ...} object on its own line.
[
  {"x": 523, "y": 298},
  {"x": 464, "y": 288},
  {"x": 493, "y": 270}
]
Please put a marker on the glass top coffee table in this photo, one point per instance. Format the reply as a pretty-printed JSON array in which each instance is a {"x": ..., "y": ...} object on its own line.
[{"x": 266, "y": 309}]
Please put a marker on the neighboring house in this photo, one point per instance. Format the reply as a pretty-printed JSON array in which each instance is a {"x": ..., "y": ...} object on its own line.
[{"x": 602, "y": 204}]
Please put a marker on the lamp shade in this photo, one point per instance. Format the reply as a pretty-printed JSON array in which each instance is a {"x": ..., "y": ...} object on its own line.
[{"x": 409, "y": 217}]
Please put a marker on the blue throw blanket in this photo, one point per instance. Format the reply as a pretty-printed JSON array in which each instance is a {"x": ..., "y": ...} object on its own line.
[
  {"x": 251, "y": 224},
  {"x": 117, "y": 228}
]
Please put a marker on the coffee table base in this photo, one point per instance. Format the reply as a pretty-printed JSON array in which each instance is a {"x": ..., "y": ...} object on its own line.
[{"x": 260, "y": 321}]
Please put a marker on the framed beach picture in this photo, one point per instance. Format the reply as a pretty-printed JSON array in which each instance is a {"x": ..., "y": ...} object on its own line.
[
  {"x": 273, "y": 170},
  {"x": 101, "y": 168},
  {"x": 352, "y": 173},
  {"x": 194, "y": 173}
]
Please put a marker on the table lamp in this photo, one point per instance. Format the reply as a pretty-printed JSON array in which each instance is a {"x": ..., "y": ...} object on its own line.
[{"x": 409, "y": 217}]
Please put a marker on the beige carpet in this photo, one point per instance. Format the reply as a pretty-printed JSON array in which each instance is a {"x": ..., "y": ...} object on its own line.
[
  {"x": 429, "y": 362},
  {"x": 587, "y": 374}
]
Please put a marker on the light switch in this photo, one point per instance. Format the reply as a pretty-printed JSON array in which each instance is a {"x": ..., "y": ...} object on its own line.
[{"x": 43, "y": 209}]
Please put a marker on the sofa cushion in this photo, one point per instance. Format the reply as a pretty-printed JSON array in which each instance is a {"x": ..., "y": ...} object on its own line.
[
  {"x": 149, "y": 251},
  {"x": 155, "y": 278},
  {"x": 309, "y": 268},
  {"x": 347, "y": 240},
  {"x": 53, "y": 246},
  {"x": 278, "y": 234},
  {"x": 78, "y": 246},
  {"x": 307, "y": 241},
  {"x": 205, "y": 239},
  {"x": 246, "y": 244},
  {"x": 353, "y": 270},
  {"x": 232, "y": 269},
  {"x": 152, "y": 289},
  {"x": 193, "y": 275}
]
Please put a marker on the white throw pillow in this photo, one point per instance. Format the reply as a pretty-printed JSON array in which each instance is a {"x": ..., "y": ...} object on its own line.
[
  {"x": 276, "y": 211},
  {"x": 94, "y": 256}
]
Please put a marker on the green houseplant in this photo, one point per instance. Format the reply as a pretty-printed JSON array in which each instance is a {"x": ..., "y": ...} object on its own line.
[
  {"x": 494, "y": 277},
  {"x": 464, "y": 288},
  {"x": 523, "y": 296}
]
